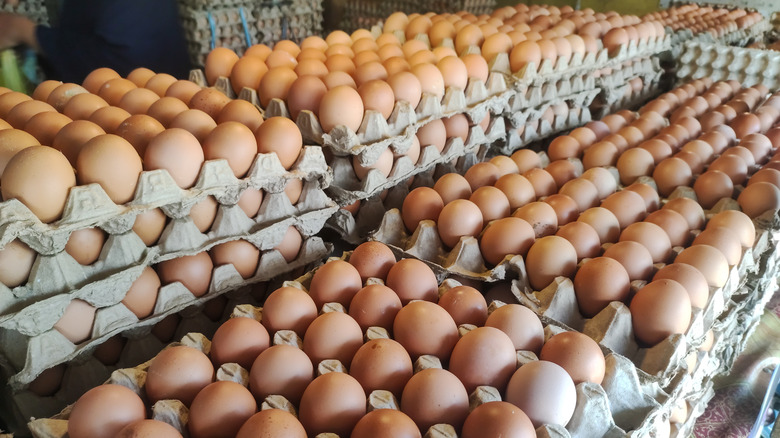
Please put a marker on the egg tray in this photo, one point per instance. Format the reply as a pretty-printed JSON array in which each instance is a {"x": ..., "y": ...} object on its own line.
[
  {"x": 207, "y": 26},
  {"x": 738, "y": 37},
  {"x": 377, "y": 134},
  {"x": 528, "y": 132},
  {"x": 592, "y": 412},
  {"x": 624, "y": 96},
  {"x": 18, "y": 406},
  {"x": 612, "y": 326},
  {"x": 346, "y": 188},
  {"x": 89, "y": 206},
  {"x": 580, "y": 65},
  {"x": 719, "y": 62},
  {"x": 59, "y": 278},
  {"x": 28, "y": 349},
  {"x": 355, "y": 228}
]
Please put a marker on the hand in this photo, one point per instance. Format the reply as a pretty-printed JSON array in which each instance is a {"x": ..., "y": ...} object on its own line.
[{"x": 15, "y": 30}]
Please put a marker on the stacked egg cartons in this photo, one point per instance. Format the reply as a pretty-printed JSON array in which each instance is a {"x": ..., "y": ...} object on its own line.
[
  {"x": 36, "y": 10},
  {"x": 734, "y": 290},
  {"x": 711, "y": 24},
  {"x": 224, "y": 24},
  {"x": 287, "y": 20},
  {"x": 372, "y": 137},
  {"x": 352, "y": 363},
  {"x": 721, "y": 62},
  {"x": 366, "y": 14},
  {"x": 94, "y": 264}
]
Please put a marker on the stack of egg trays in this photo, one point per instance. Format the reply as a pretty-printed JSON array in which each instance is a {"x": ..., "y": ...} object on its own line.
[
  {"x": 721, "y": 62},
  {"x": 377, "y": 134},
  {"x": 623, "y": 401},
  {"x": 739, "y": 37},
  {"x": 208, "y": 24},
  {"x": 35, "y": 10},
  {"x": 616, "y": 91},
  {"x": 291, "y": 20},
  {"x": 356, "y": 227},
  {"x": 137, "y": 345},
  {"x": 28, "y": 342},
  {"x": 732, "y": 312}
]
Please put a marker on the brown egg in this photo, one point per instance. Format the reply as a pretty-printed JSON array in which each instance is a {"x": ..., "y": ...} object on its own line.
[
  {"x": 210, "y": 101},
  {"x": 109, "y": 118},
  {"x": 690, "y": 278},
  {"x": 492, "y": 202},
  {"x": 11, "y": 142},
  {"x": 382, "y": 364},
  {"x": 412, "y": 279},
  {"x": 707, "y": 259},
  {"x": 110, "y": 161},
  {"x": 434, "y": 396},
  {"x": 430, "y": 77},
  {"x": 452, "y": 186},
  {"x": 652, "y": 237},
  {"x": 16, "y": 262},
  {"x": 194, "y": 272},
  {"x": 115, "y": 89},
  {"x": 506, "y": 236},
  {"x": 541, "y": 216},
  {"x": 526, "y": 159},
  {"x": 241, "y": 111},
  {"x": 332, "y": 109},
  {"x": 517, "y": 189},
  {"x": 181, "y": 89},
  {"x": 281, "y": 370},
  {"x": 282, "y": 137},
  {"x": 288, "y": 308},
  {"x": 40, "y": 177},
  {"x": 139, "y": 130},
  {"x": 497, "y": 418},
  {"x": 598, "y": 282},
  {"x": 221, "y": 407},
  {"x": 22, "y": 112},
  {"x": 459, "y": 218},
  {"x": 96, "y": 78},
  {"x": 375, "y": 305},
  {"x": 85, "y": 245},
  {"x": 380, "y": 421},
  {"x": 195, "y": 121},
  {"x": 142, "y": 295},
  {"x": 336, "y": 281},
  {"x": 138, "y": 100},
  {"x": 148, "y": 428},
  {"x": 660, "y": 309},
  {"x": 333, "y": 402},
  {"x": 43, "y": 89},
  {"x": 759, "y": 198},
  {"x": 732, "y": 165},
  {"x": 562, "y": 171},
  {"x": 578, "y": 354},
  {"x": 333, "y": 335},
  {"x": 544, "y": 391},
  {"x": 634, "y": 257},
  {"x": 177, "y": 151},
  {"x": 180, "y": 373},
  {"x": 76, "y": 322},
  {"x": 11, "y": 99},
  {"x": 550, "y": 257},
  {"x": 82, "y": 106},
  {"x": 482, "y": 174},
  {"x": 105, "y": 410},
  {"x": 475, "y": 369},
  {"x": 627, "y": 206},
  {"x": 406, "y": 86},
  {"x": 422, "y": 203}
]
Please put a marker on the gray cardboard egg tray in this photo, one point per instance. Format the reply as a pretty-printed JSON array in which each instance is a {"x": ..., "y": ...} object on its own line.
[
  {"x": 424, "y": 243},
  {"x": 612, "y": 326},
  {"x": 720, "y": 62},
  {"x": 535, "y": 128},
  {"x": 623, "y": 402},
  {"x": 35, "y": 10},
  {"x": 55, "y": 272},
  {"x": 346, "y": 188},
  {"x": 375, "y": 133},
  {"x": 31, "y": 344},
  {"x": 579, "y": 65},
  {"x": 739, "y": 37},
  {"x": 624, "y": 97},
  {"x": 355, "y": 228},
  {"x": 18, "y": 406}
]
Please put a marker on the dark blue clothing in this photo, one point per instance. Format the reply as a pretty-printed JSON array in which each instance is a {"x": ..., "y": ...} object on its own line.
[{"x": 120, "y": 34}]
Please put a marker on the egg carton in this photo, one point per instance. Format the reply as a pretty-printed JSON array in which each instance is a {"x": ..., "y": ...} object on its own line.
[
  {"x": 612, "y": 326},
  {"x": 592, "y": 412},
  {"x": 522, "y": 133},
  {"x": 136, "y": 346},
  {"x": 614, "y": 101},
  {"x": 293, "y": 20},
  {"x": 180, "y": 238},
  {"x": 31, "y": 344},
  {"x": 549, "y": 71},
  {"x": 347, "y": 188},
  {"x": 355, "y": 228},
  {"x": 88, "y": 206},
  {"x": 719, "y": 62},
  {"x": 208, "y": 25},
  {"x": 648, "y": 69}
]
